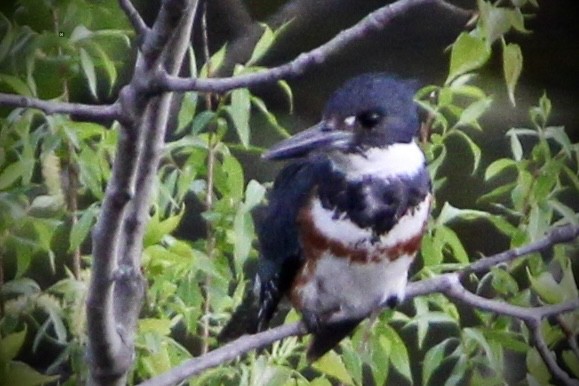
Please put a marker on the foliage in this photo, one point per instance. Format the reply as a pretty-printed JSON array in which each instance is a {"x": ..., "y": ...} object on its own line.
[{"x": 53, "y": 170}]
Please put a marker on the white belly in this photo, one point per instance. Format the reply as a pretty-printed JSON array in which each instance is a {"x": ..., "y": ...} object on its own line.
[{"x": 342, "y": 286}]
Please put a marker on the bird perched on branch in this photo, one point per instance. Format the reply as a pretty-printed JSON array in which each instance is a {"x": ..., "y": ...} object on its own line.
[{"x": 346, "y": 217}]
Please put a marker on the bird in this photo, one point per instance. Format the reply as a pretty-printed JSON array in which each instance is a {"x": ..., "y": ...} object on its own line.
[{"x": 345, "y": 216}]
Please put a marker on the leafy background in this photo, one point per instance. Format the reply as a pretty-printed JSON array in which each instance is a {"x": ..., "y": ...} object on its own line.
[{"x": 497, "y": 152}]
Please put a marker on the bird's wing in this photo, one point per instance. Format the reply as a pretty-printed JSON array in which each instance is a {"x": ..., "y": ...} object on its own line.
[
  {"x": 281, "y": 255},
  {"x": 278, "y": 233}
]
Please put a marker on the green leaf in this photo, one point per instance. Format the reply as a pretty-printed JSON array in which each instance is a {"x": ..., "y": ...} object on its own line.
[
  {"x": 187, "y": 110},
  {"x": 10, "y": 174},
  {"x": 537, "y": 367},
  {"x": 243, "y": 235},
  {"x": 20, "y": 87},
  {"x": 516, "y": 147},
  {"x": 558, "y": 134},
  {"x": 475, "y": 150},
  {"x": 254, "y": 194},
  {"x": 571, "y": 361},
  {"x": 159, "y": 326},
  {"x": 512, "y": 67},
  {"x": 80, "y": 32},
  {"x": 156, "y": 229},
  {"x": 11, "y": 345},
  {"x": 214, "y": 63},
  {"x": 503, "y": 282},
  {"x": 496, "y": 22},
  {"x": 239, "y": 110},
  {"x": 449, "y": 213},
  {"x": 81, "y": 228},
  {"x": 474, "y": 111},
  {"x": 497, "y": 167},
  {"x": 331, "y": 364},
  {"x": 107, "y": 64},
  {"x": 201, "y": 121},
  {"x": 22, "y": 374},
  {"x": 87, "y": 65},
  {"x": 468, "y": 53},
  {"x": 546, "y": 287},
  {"x": 449, "y": 238},
  {"x": 263, "y": 44},
  {"x": 288, "y": 93},
  {"x": 430, "y": 252},
  {"x": 433, "y": 359},
  {"x": 398, "y": 354}
]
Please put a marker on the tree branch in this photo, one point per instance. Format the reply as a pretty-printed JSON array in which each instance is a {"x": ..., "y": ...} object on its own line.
[
  {"x": 448, "y": 283},
  {"x": 375, "y": 21},
  {"x": 226, "y": 353},
  {"x": 134, "y": 17},
  {"x": 548, "y": 356},
  {"x": 94, "y": 113}
]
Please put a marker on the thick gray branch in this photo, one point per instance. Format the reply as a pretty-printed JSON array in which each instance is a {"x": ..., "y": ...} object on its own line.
[{"x": 375, "y": 21}]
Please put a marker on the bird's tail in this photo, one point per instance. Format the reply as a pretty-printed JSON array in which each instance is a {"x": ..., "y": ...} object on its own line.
[
  {"x": 329, "y": 336},
  {"x": 244, "y": 319}
]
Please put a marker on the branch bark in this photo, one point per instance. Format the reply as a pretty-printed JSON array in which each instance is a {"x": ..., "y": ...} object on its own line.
[
  {"x": 96, "y": 113},
  {"x": 448, "y": 284},
  {"x": 375, "y": 21},
  {"x": 117, "y": 286}
]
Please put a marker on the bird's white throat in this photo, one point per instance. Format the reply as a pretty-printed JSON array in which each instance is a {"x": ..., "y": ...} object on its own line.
[{"x": 398, "y": 159}]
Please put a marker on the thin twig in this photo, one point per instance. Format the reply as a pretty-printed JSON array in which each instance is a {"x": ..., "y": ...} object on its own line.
[
  {"x": 134, "y": 17},
  {"x": 94, "y": 113},
  {"x": 225, "y": 354},
  {"x": 548, "y": 356},
  {"x": 557, "y": 235},
  {"x": 375, "y": 21},
  {"x": 211, "y": 241}
]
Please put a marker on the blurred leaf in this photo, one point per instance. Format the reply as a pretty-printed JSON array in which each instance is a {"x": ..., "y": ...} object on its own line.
[
  {"x": 80, "y": 32},
  {"x": 214, "y": 63},
  {"x": 503, "y": 282},
  {"x": 201, "y": 121},
  {"x": 87, "y": 65},
  {"x": 474, "y": 149},
  {"x": 108, "y": 65},
  {"x": 468, "y": 53},
  {"x": 11, "y": 345},
  {"x": 433, "y": 359},
  {"x": 159, "y": 326},
  {"x": 537, "y": 367},
  {"x": 262, "y": 45},
  {"x": 239, "y": 111},
  {"x": 449, "y": 213},
  {"x": 497, "y": 167},
  {"x": 284, "y": 85},
  {"x": 449, "y": 238},
  {"x": 19, "y": 87},
  {"x": 516, "y": 147},
  {"x": 331, "y": 364},
  {"x": 512, "y": 67},
  {"x": 81, "y": 228},
  {"x": 398, "y": 354},
  {"x": 22, "y": 374},
  {"x": 546, "y": 287},
  {"x": 473, "y": 112},
  {"x": 571, "y": 361}
]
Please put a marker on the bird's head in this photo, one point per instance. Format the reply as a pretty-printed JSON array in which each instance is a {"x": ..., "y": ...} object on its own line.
[{"x": 368, "y": 111}]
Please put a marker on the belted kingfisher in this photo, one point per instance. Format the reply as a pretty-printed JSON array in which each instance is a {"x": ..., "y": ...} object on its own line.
[{"x": 346, "y": 217}]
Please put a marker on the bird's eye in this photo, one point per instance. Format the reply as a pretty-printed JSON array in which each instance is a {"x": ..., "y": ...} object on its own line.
[{"x": 369, "y": 119}]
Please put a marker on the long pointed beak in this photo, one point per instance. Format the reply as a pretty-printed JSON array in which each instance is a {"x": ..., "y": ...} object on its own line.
[{"x": 320, "y": 137}]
